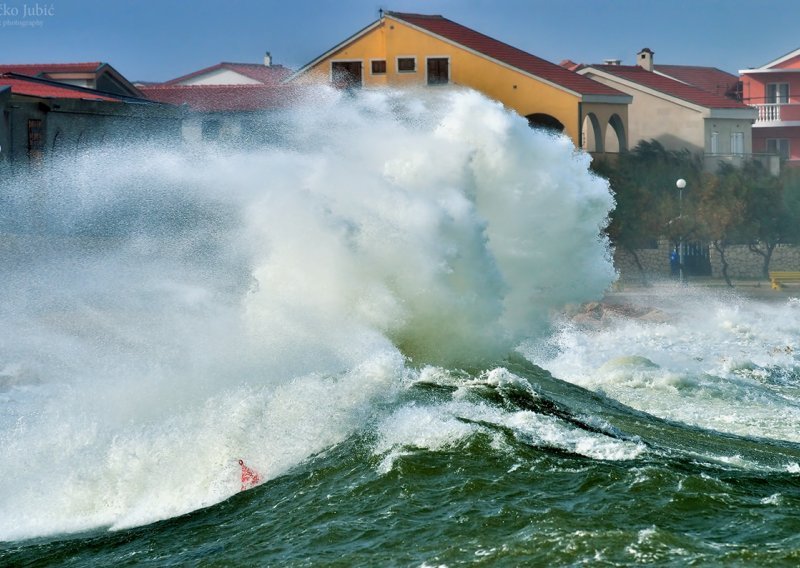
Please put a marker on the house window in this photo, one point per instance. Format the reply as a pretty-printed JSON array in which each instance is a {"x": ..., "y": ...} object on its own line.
[
  {"x": 737, "y": 143},
  {"x": 346, "y": 74},
  {"x": 379, "y": 67},
  {"x": 438, "y": 71},
  {"x": 777, "y": 93},
  {"x": 714, "y": 143},
  {"x": 406, "y": 64},
  {"x": 779, "y": 146},
  {"x": 210, "y": 129}
]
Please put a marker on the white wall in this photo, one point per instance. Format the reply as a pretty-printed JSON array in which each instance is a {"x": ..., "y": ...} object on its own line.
[{"x": 220, "y": 77}]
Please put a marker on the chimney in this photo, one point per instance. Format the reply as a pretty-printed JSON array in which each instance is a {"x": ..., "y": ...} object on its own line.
[
  {"x": 644, "y": 59},
  {"x": 267, "y": 59},
  {"x": 612, "y": 61}
]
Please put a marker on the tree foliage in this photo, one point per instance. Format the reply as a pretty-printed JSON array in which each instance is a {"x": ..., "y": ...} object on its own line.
[
  {"x": 643, "y": 181},
  {"x": 720, "y": 213},
  {"x": 746, "y": 205}
]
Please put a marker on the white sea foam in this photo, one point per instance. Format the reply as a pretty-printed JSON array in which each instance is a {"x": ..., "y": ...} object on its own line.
[
  {"x": 446, "y": 425},
  {"x": 724, "y": 363},
  {"x": 166, "y": 313}
]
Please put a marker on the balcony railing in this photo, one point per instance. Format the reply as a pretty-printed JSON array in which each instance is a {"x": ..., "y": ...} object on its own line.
[{"x": 777, "y": 112}]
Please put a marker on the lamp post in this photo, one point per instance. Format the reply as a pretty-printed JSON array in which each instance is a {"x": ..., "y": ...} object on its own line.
[{"x": 680, "y": 184}]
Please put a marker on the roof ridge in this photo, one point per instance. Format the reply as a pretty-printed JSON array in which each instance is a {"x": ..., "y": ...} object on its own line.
[
  {"x": 53, "y": 88},
  {"x": 429, "y": 16},
  {"x": 250, "y": 64},
  {"x": 715, "y": 68},
  {"x": 215, "y": 86},
  {"x": 51, "y": 64}
]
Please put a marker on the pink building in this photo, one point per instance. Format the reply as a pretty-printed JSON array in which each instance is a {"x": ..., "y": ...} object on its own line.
[{"x": 774, "y": 89}]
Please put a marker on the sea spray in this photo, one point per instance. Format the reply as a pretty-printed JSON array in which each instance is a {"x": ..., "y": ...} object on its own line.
[
  {"x": 170, "y": 311},
  {"x": 712, "y": 360}
]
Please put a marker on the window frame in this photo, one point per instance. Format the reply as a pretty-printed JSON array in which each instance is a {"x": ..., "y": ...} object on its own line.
[
  {"x": 372, "y": 63},
  {"x": 776, "y": 98},
  {"x": 737, "y": 143},
  {"x": 777, "y": 150},
  {"x": 405, "y": 57},
  {"x": 332, "y": 74},
  {"x": 210, "y": 129}
]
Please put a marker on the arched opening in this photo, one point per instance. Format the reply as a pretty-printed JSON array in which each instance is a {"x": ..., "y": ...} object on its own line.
[
  {"x": 616, "y": 139},
  {"x": 591, "y": 137},
  {"x": 544, "y": 121}
]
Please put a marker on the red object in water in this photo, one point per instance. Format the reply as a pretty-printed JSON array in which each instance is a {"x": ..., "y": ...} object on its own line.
[{"x": 249, "y": 477}]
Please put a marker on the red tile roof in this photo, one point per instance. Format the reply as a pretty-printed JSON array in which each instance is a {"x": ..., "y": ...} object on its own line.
[
  {"x": 668, "y": 86},
  {"x": 268, "y": 75},
  {"x": 709, "y": 79},
  {"x": 217, "y": 98},
  {"x": 570, "y": 64},
  {"x": 504, "y": 53},
  {"x": 34, "y": 69},
  {"x": 21, "y": 85}
]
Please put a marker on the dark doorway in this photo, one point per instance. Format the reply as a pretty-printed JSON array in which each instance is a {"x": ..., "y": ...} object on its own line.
[
  {"x": 346, "y": 74},
  {"x": 35, "y": 139},
  {"x": 438, "y": 71}
]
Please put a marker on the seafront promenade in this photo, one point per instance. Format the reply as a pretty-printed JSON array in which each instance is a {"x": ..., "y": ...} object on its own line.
[{"x": 752, "y": 288}]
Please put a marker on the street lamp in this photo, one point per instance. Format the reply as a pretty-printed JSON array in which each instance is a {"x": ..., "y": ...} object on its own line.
[{"x": 680, "y": 184}]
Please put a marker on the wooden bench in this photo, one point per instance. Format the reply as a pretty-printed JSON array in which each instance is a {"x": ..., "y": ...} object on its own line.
[{"x": 779, "y": 278}]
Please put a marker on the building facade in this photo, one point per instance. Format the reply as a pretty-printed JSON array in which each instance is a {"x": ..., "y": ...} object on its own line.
[
  {"x": 679, "y": 115},
  {"x": 774, "y": 91},
  {"x": 414, "y": 50},
  {"x": 41, "y": 119}
]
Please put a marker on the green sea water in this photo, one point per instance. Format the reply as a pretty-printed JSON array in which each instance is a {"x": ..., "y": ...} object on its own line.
[
  {"x": 381, "y": 312},
  {"x": 494, "y": 497}
]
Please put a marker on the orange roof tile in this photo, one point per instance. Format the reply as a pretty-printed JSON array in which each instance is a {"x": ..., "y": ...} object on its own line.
[
  {"x": 709, "y": 79},
  {"x": 22, "y": 85},
  {"x": 669, "y": 86},
  {"x": 218, "y": 98}
]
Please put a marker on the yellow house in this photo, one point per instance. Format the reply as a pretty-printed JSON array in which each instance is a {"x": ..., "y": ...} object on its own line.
[{"x": 421, "y": 50}]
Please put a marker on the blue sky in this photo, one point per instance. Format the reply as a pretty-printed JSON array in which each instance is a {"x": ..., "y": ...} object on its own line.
[{"x": 158, "y": 40}]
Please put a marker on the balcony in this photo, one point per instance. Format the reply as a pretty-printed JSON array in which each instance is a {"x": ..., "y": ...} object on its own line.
[{"x": 778, "y": 114}]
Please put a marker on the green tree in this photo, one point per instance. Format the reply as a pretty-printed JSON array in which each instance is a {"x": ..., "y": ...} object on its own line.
[
  {"x": 721, "y": 209},
  {"x": 766, "y": 223},
  {"x": 643, "y": 181}
]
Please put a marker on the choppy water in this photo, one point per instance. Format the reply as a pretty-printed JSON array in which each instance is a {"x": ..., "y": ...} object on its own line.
[{"x": 377, "y": 314}]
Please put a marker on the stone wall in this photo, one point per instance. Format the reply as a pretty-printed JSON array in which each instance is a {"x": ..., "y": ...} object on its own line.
[
  {"x": 654, "y": 261},
  {"x": 742, "y": 262}
]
